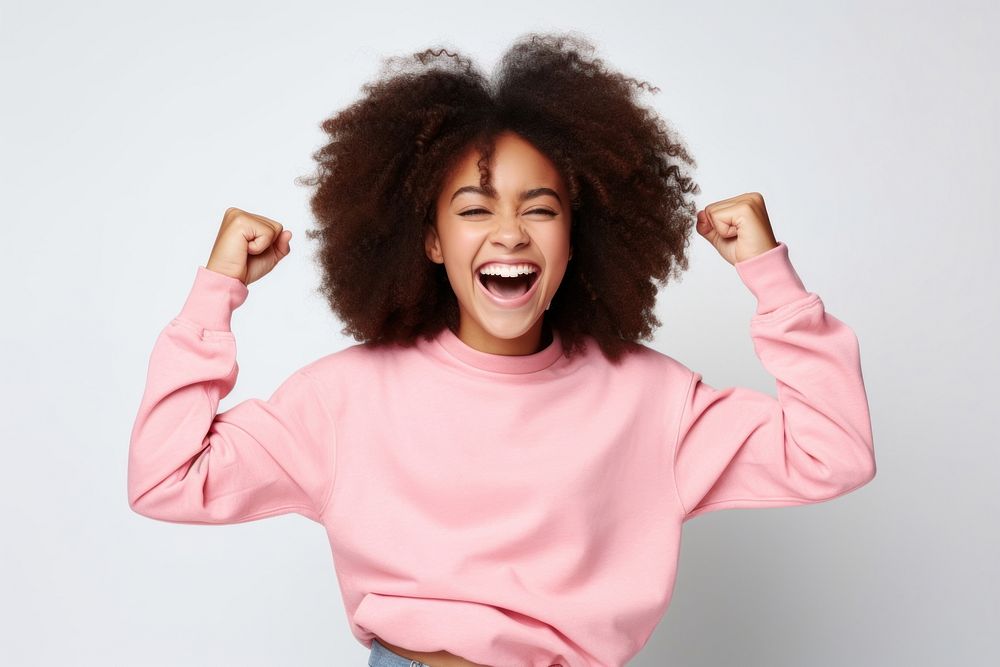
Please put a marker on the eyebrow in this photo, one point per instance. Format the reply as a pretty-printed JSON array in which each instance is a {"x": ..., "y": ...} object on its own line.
[{"x": 527, "y": 194}]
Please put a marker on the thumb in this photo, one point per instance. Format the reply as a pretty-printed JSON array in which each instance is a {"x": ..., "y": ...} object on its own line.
[
  {"x": 712, "y": 234},
  {"x": 280, "y": 246},
  {"x": 283, "y": 246},
  {"x": 705, "y": 227}
]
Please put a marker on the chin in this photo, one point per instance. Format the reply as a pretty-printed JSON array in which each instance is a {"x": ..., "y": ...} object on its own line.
[
  {"x": 506, "y": 332},
  {"x": 507, "y": 326}
]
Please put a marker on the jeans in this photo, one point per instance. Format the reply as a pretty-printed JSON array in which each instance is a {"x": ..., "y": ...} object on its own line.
[{"x": 383, "y": 657}]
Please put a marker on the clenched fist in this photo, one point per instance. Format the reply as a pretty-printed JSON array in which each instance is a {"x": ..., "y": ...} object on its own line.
[
  {"x": 248, "y": 246},
  {"x": 738, "y": 227}
]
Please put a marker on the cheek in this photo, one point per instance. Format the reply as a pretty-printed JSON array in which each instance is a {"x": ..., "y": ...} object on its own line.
[
  {"x": 557, "y": 245},
  {"x": 462, "y": 247},
  {"x": 458, "y": 275}
]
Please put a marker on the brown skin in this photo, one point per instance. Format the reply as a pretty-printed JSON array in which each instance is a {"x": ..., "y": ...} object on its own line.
[
  {"x": 248, "y": 246},
  {"x": 472, "y": 228},
  {"x": 739, "y": 227}
]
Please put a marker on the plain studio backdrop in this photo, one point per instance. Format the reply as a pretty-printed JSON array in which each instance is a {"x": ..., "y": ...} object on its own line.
[{"x": 128, "y": 128}]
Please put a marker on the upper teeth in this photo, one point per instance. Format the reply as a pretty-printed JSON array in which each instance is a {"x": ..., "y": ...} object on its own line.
[{"x": 507, "y": 270}]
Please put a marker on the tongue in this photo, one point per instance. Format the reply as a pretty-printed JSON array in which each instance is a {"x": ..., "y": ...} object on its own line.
[{"x": 507, "y": 288}]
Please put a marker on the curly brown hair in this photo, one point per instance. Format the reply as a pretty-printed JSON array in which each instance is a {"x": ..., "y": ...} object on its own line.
[{"x": 389, "y": 152}]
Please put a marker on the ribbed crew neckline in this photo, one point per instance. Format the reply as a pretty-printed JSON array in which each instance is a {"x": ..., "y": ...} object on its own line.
[{"x": 500, "y": 363}]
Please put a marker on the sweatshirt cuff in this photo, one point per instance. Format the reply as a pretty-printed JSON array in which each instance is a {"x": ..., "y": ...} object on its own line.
[
  {"x": 771, "y": 278},
  {"x": 213, "y": 298}
]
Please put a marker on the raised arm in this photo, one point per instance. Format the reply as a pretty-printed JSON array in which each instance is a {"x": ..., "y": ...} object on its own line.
[
  {"x": 740, "y": 448},
  {"x": 188, "y": 464}
]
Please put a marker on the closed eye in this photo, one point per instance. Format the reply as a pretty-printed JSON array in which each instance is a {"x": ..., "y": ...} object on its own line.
[{"x": 482, "y": 210}]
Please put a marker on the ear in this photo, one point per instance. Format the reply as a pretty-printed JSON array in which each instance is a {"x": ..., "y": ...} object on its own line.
[{"x": 432, "y": 246}]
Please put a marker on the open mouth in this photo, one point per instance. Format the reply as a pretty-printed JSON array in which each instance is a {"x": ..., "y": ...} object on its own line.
[{"x": 508, "y": 288}]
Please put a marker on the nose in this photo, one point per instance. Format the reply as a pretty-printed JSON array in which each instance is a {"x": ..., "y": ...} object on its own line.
[{"x": 510, "y": 232}]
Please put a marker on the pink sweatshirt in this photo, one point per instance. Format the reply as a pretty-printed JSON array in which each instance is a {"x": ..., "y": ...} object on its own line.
[{"x": 514, "y": 510}]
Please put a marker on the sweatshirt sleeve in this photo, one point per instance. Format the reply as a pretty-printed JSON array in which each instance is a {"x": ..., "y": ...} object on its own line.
[
  {"x": 740, "y": 448},
  {"x": 188, "y": 464}
]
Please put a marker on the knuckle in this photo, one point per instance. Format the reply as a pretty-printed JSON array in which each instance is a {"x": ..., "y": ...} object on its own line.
[{"x": 232, "y": 215}]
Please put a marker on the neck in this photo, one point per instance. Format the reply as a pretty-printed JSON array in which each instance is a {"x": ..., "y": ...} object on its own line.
[{"x": 534, "y": 340}]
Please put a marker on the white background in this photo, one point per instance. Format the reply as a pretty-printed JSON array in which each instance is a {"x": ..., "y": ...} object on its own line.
[{"x": 128, "y": 128}]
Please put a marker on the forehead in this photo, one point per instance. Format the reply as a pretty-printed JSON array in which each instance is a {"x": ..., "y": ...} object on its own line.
[{"x": 515, "y": 164}]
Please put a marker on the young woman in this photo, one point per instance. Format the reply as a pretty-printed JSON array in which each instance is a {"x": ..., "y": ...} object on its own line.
[{"x": 502, "y": 469}]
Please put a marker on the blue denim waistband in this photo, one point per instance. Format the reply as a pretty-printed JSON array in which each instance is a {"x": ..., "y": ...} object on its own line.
[{"x": 383, "y": 657}]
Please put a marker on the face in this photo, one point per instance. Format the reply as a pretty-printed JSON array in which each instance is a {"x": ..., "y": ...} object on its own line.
[{"x": 526, "y": 220}]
